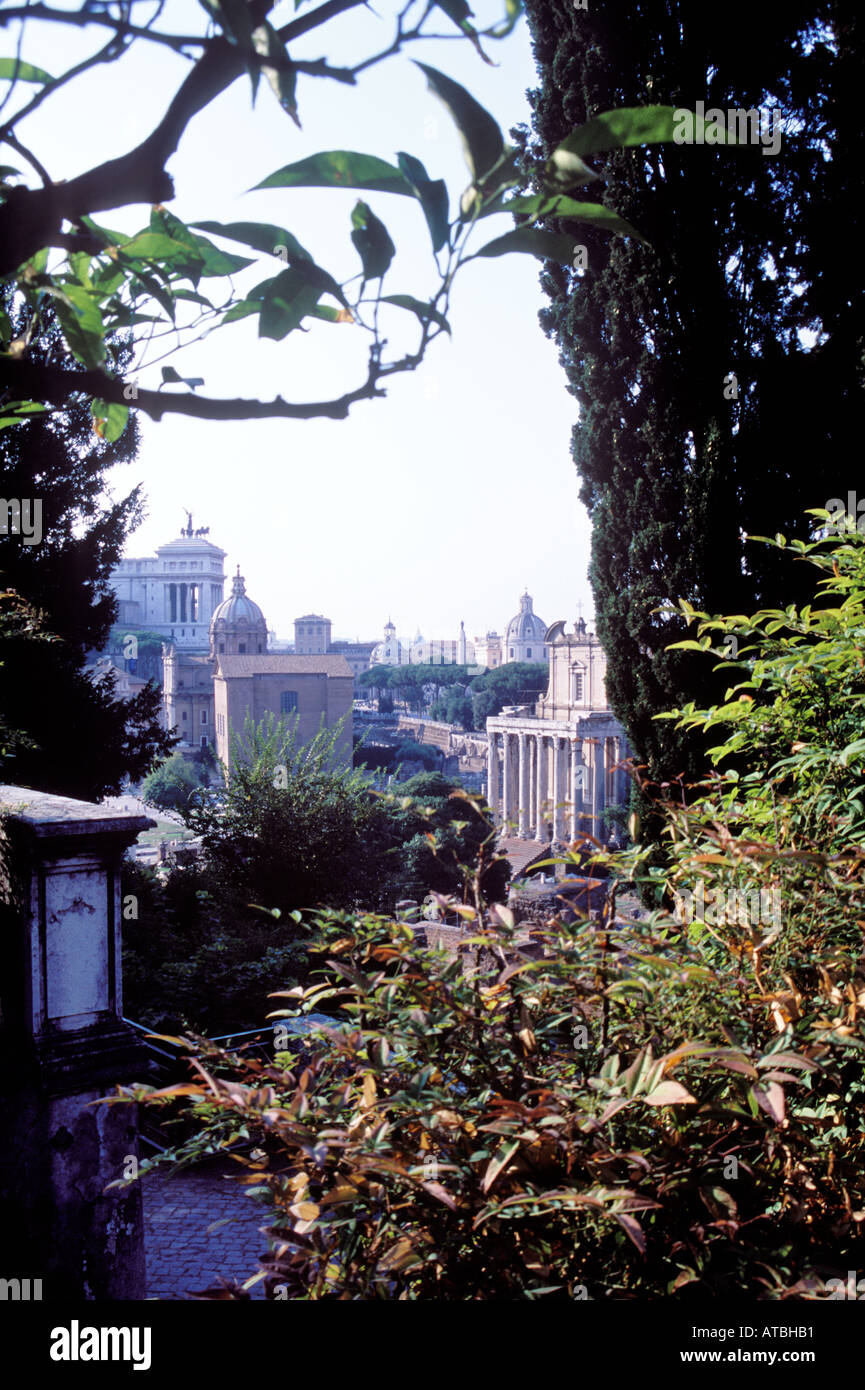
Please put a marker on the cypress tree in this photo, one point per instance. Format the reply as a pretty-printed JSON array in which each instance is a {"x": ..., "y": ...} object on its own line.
[
  {"x": 718, "y": 370},
  {"x": 71, "y": 735}
]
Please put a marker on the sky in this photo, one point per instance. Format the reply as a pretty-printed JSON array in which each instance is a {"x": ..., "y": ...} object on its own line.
[{"x": 436, "y": 505}]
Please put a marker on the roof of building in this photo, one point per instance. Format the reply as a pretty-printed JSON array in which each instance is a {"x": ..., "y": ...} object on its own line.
[
  {"x": 238, "y": 610},
  {"x": 525, "y": 626},
  {"x": 283, "y": 664},
  {"x": 191, "y": 543}
]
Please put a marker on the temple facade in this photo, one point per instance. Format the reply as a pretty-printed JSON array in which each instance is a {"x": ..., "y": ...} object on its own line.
[{"x": 555, "y": 768}]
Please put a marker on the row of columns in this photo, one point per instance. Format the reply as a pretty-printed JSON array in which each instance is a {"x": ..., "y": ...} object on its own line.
[
  {"x": 546, "y": 787},
  {"x": 176, "y": 596}
]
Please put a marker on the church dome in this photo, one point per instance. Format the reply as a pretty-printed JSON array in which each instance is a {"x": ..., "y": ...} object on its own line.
[
  {"x": 238, "y": 626},
  {"x": 525, "y": 627}
]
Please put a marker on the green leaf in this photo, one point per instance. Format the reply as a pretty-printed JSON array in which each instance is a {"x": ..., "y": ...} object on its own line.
[
  {"x": 241, "y": 310},
  {"x": 433, "y": 195},
  {"x": 109, "y": 419},
  {"x": 205, "y": 259},
  {"x": 261, "y": 236},
  {"x": 331, "y": 315},
  {"x": 482, "y": 140},
  {"x": 282, "y": 79},
  {"x": 81, "y": 322},
  {"x": 538, "y": 206},
  {"x": 341, "y": 169},
  {"x": 513, "y": 10},
  {"x": 459, "y": 12},
  {"x": 372, "y": 242},
  {"x": 235, "y": 20},
  {"x": 19, "y": 412},
  {"x": 534, "y": 241},
  {"x": 853, "y": 750},
  {"x": 614, "y": 130},
  {"x": 499, "y": 1161},
  {"x": 12, "y": 69},
  {"x": 287, "y": 300},
  {"x": 154, "y": 246},
  {"x": 151, "y": 286},
  {"x": 425, "y": 312}
]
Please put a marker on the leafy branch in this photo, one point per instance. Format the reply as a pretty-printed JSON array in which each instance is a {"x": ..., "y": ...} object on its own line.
[{"x": 151, "y": 283}]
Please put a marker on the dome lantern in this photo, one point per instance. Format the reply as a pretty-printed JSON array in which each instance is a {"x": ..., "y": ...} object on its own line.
[
  {"x": 524, "y": 634},
  {"x": 238, "y": 626}
]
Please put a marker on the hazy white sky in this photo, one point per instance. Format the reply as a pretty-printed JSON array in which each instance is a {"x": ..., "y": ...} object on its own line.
[{"x": 441, "y": 502}]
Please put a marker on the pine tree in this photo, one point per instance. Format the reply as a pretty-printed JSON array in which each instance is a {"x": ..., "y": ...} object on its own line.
[
  {"x": 718, "y": 370},
  {"x": 73, "y": 736}
]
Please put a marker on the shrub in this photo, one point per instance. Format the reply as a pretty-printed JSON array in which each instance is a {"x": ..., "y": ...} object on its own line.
[{"x": 662, "y": 1107}]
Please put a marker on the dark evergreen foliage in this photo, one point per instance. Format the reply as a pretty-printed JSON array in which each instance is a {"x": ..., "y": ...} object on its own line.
[
  {"x": 78, "y": 739},
  {"x": 745, "y": 274}
]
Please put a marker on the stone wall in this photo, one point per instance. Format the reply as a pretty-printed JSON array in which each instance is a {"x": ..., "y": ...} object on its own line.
[{"x": 64, "y": 1047}]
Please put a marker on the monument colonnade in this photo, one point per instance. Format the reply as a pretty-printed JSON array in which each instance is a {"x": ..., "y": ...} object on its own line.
[{"x": 551, "y": 780}]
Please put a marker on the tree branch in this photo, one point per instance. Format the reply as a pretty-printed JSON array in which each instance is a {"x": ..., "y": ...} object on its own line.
[
  {"x": 83, "y": 18},
  {"x": 32, "y": 381},
  {"x": 31, "y": 218}
]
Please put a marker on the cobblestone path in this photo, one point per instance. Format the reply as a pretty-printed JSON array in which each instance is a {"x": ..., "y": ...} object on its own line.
[{"x": 182, "y": 1257}]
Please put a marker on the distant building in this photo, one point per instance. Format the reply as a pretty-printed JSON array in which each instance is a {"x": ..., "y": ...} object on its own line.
[
  {"x": 488, "y": 651},
  {"x": 174, "y": 593},
  {"x": 388, "y": 652},
  {"x": 357, "y": 654},
  {"x": 555, "y": 766},
  {"x": 125, "y": 684},
  {"x": 438, "y": 651},
  {"x": 524, "y": 635},
  {"x": 312, "y": 635},
  {"x": 314, "y": 689},
  {"x": 215, "y": 675}
]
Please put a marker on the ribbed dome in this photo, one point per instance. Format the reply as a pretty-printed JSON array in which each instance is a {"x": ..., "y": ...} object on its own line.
[
  {"x": 525, "y": 626},
  {"x": 238, "y": 620}
]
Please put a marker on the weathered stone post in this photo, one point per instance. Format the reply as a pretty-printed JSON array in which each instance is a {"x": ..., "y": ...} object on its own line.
[
  {"x": 63, "y": 1044},
  {"x": 523, "y": 786},
  {"x": 493, "y": 777}
]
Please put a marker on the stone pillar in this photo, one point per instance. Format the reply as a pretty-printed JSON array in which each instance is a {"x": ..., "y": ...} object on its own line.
[
  {"x": 493, "y": 777},
  {"x": 558, "y": 831},
  {"x": 599, "y": 797},
  {"x": 531, "y": 754},
  {"x": 577, "y": 776},
  {"x": 523, "y": 787},
  {"x": 540, "y": 768},
  {"x": 507, "y": 784},
  {"x": 63, "y": 1045}
]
